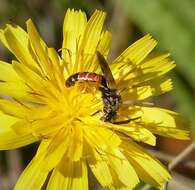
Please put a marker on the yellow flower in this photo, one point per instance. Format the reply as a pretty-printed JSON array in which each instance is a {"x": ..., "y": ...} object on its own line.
[{"x": 35, "y": 105}]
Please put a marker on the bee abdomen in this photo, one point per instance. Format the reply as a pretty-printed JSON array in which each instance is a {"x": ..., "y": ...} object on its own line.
[{"x": 85, "y": 76}]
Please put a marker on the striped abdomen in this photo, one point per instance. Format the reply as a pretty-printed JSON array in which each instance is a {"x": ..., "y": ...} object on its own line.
[{"x": 86, "y": 76}]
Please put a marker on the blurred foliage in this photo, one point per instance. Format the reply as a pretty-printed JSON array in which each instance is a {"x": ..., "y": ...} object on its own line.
[
  {"x": 77, "y": 4},
  {"x": 172, "y": 24},
  {"x": 184, "y": 99}
]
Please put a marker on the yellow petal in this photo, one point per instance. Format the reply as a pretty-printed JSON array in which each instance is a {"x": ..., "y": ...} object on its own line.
[
  {"x": 152, "y": 67},
  {"x": 69, "y": 175},
  {"x": 73, "y": 28},
  {"x": 134, "y": 131},
  {"x": 146, "y": 89},
  {"x": 91, "y": 38},
  {"x": 33, "y": 177},
  {"x": 42, "y": 149},
  {"x": 7, "y": 72},
  {"x": 14, "y": 108},
  {"x": 149, "y": 169},
  {"x": 165, "y": 122},
  {"x": 103, "y": 47},
  {"x": 9, "y": 138},
  {"x": 12, "y": 85},
  {"x": 56, "y": 149},
  {"x": 21, "y": 127},
  {"x": 40, "y": 49},
  {"x": 31, "y": 78},
  {"x": 40, "y": 113},
  {"x": 93, "y": 32},
  {"x": 123, "y": 169},
  {"x": 98, "y": 165},
  {"x": 17, "y": 41},
  {"x": 6, "y": 122},
  {"x": 141, "y": 134},
  {"x": 57, "y": 68},
  {"x": 17, "y": 90},
  {"x": 82, "y": 39},
  {"x": 162, "y": 117},
  {"x": 133, "y": 55},
  {"x": 105, "y": 43},
  {"x": 101, "y": 137},
  {"x": 155, "y": 66},
  {"x": 46, "y": 124},
  {"x": 75, "y": 149},
  {"x": 40, "y": 87}
]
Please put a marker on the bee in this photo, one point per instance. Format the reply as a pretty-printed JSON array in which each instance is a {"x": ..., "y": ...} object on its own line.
[{"x": 110, "y": 94}]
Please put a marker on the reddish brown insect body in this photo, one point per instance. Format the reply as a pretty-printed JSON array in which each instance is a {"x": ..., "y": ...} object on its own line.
[{"x": 86, "y": 76}]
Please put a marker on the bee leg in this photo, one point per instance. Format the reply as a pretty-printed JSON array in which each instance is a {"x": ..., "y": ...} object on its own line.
[
  {"x": 126, "y": 121},
  {"x": 95, "y": 113}
]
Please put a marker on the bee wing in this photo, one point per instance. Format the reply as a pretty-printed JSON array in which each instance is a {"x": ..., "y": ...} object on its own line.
[{"x": 106, "y": 71}]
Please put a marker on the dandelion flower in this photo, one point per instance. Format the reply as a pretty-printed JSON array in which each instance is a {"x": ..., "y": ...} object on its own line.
[{"x": 36, "y": 106}]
